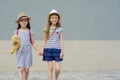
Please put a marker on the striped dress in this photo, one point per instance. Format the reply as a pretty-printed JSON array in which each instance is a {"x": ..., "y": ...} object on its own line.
[{"x": 24, "y": 53}]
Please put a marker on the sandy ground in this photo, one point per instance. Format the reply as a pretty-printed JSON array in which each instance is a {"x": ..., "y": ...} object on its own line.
[
  {"x": 95, "y": 75},
  {"x": 84, "y": 60},
  {"x": 79, "y": 56}
]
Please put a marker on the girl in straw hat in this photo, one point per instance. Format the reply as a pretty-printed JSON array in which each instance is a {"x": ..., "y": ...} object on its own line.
[
  {"x": 53, "y": 44},
  {"x": 24, "y": 53}
]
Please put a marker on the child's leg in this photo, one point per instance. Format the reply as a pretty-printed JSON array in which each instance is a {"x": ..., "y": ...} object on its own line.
[
  {"x": 57, "y": 70},
  {"x": 26, "y": 73},
  {"x": 50, "y": 70},
  {"x": 21, "y": 73}
]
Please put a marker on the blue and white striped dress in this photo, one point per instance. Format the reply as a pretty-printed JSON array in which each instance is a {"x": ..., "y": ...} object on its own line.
[
  {"x": 52, "y": 48},
  {"x": 24, "y": 53}
]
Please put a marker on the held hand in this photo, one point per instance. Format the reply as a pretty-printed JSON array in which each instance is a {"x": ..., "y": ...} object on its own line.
[
  {"x": 13, "y": 43},
  {"x": 39, "y": 52},
  {"x": 42, "y": 51}
]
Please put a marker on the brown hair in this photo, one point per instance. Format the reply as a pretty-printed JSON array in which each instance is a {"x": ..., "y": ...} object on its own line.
[
  {"x": 48, "y": 24},
  {"x": 28, "y": 25}
]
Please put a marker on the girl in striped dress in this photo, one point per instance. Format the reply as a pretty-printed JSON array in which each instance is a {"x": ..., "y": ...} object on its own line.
[
  {"x": 53, "y": 44},
  {"x": 24, "y": 53}
]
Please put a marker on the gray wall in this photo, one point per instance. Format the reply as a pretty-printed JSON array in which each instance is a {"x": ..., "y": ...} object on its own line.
[{"x": 81, "y": 19}]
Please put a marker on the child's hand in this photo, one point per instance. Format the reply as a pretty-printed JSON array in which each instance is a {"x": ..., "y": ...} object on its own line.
[
  {"x": 13, "y": 43},
  {"x": 61, "y": 55},
  {"x": 40, "y": 53}
]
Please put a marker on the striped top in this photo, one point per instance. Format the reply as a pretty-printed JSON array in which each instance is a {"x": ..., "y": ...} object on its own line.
[{"x": 54, "y": 39}]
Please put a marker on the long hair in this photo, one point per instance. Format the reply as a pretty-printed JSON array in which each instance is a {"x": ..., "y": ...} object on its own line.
[
  {"x": 28, "y": 25},
  {"x": 48, "y": 24}
]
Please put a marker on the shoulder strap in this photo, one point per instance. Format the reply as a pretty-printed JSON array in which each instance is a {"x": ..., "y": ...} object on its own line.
[
  {"x": 17, "y": 32},
  {"x": 30, "y": 36}
]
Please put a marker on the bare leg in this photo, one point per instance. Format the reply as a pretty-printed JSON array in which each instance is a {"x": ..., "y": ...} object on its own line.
[
  {"x": 21, "y": 73},
  {"x": 26, "y": 73},
  {"x": 50, "y": 70},
  {"x": 57, "y": 70}
]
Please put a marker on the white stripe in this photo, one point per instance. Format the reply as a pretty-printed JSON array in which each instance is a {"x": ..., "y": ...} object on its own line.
[{"x": 54, "y": 41}]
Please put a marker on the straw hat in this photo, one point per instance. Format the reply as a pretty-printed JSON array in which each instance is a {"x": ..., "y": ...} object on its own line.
[{"x": 22, "y": 15}]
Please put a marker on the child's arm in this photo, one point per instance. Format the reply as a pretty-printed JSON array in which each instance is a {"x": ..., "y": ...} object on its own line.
[
  {"x": 34, "y": 45},
  {"x": 62, "y": 46},
  {"x": 43, "y": 42}
]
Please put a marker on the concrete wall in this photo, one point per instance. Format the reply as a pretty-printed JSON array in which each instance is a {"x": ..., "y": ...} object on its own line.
[{"x": 81, "y": 19}]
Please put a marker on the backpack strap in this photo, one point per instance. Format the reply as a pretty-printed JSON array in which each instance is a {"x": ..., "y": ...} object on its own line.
[
  {"x": 30, "y": 37},
  {"x": 17, "y": 32}
]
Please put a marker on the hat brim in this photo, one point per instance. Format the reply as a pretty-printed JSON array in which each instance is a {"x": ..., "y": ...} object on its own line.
[
  {"x": 17, "y": 21},
  {"x": 55, "y": 14}
]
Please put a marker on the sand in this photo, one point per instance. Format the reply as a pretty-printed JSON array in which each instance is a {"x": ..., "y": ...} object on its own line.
[{"x": 90, "y": 55}]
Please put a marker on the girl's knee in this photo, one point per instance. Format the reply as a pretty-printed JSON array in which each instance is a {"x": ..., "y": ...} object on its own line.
[
  {"x": 21, "y": 70},
  {"x": 57, "y": 66},
  {"x": 57, "y": 69},
  {"x": 26, "y": 70},
  {"x": 50, "y": 68}
]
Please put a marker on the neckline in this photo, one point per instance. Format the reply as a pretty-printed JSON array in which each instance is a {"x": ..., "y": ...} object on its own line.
[
  {"x": 23, "y": 30},
  {"x": 53, "y": 28}
]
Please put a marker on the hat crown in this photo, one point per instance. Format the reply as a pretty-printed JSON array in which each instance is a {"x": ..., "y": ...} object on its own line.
[
  {"x": 21, "y": 14},
  {"x": 53, "y": 11}
]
